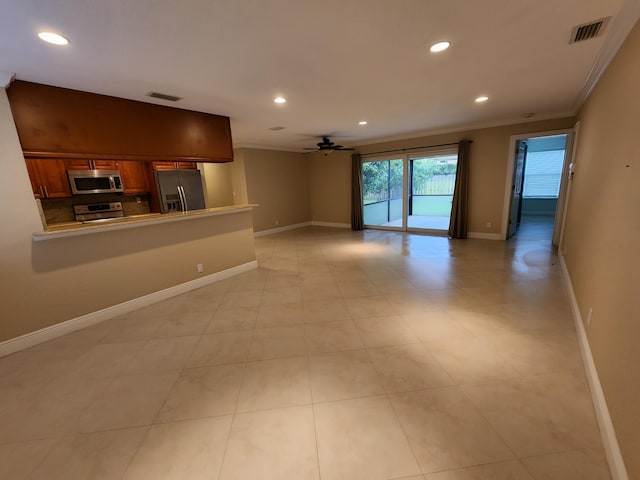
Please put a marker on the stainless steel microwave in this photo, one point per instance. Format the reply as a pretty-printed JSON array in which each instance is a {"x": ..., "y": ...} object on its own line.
[{"x": 95, "y": 181}]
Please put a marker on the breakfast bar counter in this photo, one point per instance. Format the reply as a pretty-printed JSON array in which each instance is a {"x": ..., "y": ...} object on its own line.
[{"x": 73, "y": 229}]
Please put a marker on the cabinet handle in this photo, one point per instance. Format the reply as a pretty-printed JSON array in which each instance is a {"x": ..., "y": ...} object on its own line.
[
  {"x": 46, "y": 192},
  {"x": 41, "y": 191}
]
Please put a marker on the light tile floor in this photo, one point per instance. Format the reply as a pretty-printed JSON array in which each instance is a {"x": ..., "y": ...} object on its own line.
[{"x": 345, "y": 356}]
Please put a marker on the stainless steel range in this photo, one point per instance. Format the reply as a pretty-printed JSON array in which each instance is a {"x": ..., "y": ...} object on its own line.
[{"x": 96, "y": 212}]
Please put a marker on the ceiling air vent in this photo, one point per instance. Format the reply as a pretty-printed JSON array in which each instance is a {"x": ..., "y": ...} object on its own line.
[
  {"x": 588, "y": 30},
  {"x": 164, "y": 96}
]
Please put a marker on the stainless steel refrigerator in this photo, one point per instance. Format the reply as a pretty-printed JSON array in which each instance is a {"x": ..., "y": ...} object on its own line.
[{"x": 180, "y": 190}]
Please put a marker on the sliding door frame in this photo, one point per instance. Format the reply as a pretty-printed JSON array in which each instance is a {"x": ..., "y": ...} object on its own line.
[
  {"x": 389, "y": 158},
  {"x": 407, "y": 158}
]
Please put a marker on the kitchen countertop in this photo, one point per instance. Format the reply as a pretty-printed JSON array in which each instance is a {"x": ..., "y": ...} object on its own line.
[{"x": 72, "y": 229}]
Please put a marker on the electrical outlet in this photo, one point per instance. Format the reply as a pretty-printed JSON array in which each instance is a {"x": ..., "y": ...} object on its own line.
[
  {"x": 488, "y": 224},
  {"x": 200, "y": 268},
  {"x": 138, "y": 200},
  {"x": 589, "y": 315}
]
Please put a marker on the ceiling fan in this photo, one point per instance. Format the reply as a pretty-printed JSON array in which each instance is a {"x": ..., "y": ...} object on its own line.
[{"x": 327, "y": 146}]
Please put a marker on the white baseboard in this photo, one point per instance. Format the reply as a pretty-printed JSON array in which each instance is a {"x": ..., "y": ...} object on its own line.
[
  {"x": 54, "y": 331},
  {"x": 484, "y": 236},
  {"x": 271, "y": 231},
  {"x": 331, "y": 224},
  {"x": 609, "y": 439}
]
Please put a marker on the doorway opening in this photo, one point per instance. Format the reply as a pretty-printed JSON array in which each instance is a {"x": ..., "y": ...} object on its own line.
[{"x": 537, "y": 186}]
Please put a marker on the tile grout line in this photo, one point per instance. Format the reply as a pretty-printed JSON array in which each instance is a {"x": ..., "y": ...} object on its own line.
[{"x": 171, "y": 390}]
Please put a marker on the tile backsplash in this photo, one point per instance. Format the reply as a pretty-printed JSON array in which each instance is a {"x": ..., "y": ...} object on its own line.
[{"x": 60, "y": 210}]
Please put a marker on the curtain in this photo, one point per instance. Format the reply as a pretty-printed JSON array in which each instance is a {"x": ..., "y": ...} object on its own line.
[
  {"x": 357, "y": 219},
  {"x": 459, "y": 210}
]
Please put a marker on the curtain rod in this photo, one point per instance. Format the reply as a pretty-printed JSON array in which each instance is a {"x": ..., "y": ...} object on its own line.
[{"x": 413, "y": 148}]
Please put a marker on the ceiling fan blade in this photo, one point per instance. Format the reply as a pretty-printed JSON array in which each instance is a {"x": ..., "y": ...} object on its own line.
[
  {"x": 309, "y": 148},
  {"x": 343, "y": 148}
]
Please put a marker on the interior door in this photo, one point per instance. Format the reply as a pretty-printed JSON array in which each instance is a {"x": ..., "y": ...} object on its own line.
[{"x": 516, "y": 189}]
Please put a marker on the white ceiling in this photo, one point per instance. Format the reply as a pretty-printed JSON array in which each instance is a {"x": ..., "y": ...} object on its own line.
[{"x": 336, "y": 61}]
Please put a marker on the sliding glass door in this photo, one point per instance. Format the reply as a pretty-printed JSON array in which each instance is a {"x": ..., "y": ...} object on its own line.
[
  {"x": 382, "y": 189},
  {"x": 409, "y": 192},
  {"x": 432, "y": 179}
]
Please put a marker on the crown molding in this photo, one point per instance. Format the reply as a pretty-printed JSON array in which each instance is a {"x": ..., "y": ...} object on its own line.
[
  {"x": 619, "y": 29},
  {"x": 466, "y": 128},
  {"x": 277, "y": 148},
  {"x": 421, "y": 133}
]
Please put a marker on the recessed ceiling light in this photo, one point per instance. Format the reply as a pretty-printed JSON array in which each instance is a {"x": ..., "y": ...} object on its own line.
[
  {"x": 439, "y": 47},
  {"x": 482, "y": 99},
  {"x": 363, "y": 122},
  {"x": 53, "y": 38},
  {"x": 280, "y": 100}
]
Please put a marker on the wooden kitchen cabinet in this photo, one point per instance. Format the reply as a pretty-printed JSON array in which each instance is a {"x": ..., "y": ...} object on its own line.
[
  {"x": 54, "y": 122},
  {"x": 187, "y": 165},
  {"x": 164, "y": 165},
  {"x": 48, "y": 178},
  {"x": 174, "y": 165},
  {"x": 79, "y": 164},
  {"x": 134, "y": 177}
]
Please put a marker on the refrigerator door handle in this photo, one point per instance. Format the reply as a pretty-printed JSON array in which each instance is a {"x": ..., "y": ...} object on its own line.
[
  {"x": 180, "y": 198},
  {"x": 184, "y": 198}
]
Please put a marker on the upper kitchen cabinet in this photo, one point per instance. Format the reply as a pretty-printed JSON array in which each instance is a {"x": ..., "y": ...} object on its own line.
[
  {"x": 79, "y": 164},
  {"x": 134, "y": 177},
  {"x": 48, "y": 178},
  {"x": 174, "y": 165},
  {"x": 56, "y": 122}
]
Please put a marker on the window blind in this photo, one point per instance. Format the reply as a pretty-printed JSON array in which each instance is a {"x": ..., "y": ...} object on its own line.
[{"x": 542, "y": 172}]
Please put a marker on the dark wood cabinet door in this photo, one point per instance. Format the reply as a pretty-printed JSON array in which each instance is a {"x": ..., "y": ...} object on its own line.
[
  {"x": 52, "y": 176},
  {"x": 105, "y": 164},
  {"x": 134, "y": 177},
  {"x": 32, "y": 169},
  {"x": 186, "y": 165},
  {"x": 78, "y": 164},
  {"x": 164, "y": 165}
]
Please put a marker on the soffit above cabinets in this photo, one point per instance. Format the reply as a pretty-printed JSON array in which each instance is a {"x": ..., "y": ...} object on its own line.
[{"x": 62, "y": 123}]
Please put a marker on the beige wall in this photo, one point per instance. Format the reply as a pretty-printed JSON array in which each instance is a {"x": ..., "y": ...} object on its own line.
[
  {"x": 218, "y": 185},
  {"x": 330, "y": 187},
  {"x": 488, "y": 166},
  {"x": 602, "y": 239},
  {"x": 279, "y": 183},
  {"x": 44, "y": 283},
  {"x": 238, "y": 179}
]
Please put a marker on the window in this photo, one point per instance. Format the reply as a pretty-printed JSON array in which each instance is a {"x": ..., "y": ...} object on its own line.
[{"x": 542, "y": 174}]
